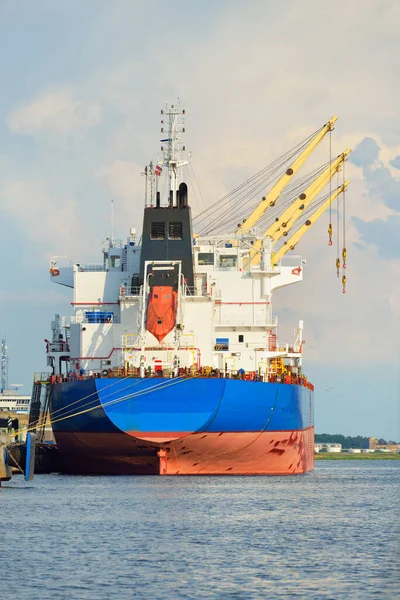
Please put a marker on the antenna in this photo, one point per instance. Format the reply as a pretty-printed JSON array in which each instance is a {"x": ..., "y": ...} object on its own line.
[
  {"x": 171, "y": 150},
  {"x": 4, "y": 366},
  {"x": 146, "y": 180},
  {"x": 112, "y": 224}
]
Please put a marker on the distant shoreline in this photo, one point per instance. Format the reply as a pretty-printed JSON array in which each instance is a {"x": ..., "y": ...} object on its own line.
[{"x": 362, "y": 456}]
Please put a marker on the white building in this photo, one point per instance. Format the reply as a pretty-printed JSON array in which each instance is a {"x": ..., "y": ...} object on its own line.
[
  {"x": 14, "y": 402},
  {"x": 327, "y": 447}
]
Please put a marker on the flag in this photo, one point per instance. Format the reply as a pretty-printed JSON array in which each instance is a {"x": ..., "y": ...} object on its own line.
[{"x": 158, "y": 170}]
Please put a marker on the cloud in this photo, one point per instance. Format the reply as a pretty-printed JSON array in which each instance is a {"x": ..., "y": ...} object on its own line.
[
  {"x": 126, "y": 186},
  {"x": 51, "y": 225},
  {"x": 338, "y": 328},
  {"x": 383, "y": 189},
  {"x": 366, "y": 153},
  {"x": 55, "y": 112},
  {"x": 381, "y": 184},
  {"x": 382, "y": 234},
  {"x": 395, "y": 162},
  {"x": 121, "y": 177}
]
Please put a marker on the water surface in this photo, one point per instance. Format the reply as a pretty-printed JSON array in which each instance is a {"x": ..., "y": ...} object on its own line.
[{"x": 330, "y": 534}]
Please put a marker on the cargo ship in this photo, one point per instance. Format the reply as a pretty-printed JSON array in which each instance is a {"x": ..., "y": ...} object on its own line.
[{"x": 170, "y": 363}]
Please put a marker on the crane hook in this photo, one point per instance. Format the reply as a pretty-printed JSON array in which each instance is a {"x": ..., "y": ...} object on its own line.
[
  {"x": 330, "y": 234},
  {"x": 344, "y": 255}
]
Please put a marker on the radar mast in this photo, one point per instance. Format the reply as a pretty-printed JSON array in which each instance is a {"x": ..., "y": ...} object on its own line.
[{"x": 171, "y": 156}]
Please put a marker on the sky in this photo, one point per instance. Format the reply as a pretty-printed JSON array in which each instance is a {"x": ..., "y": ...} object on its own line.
[{"x": 82, "y": 85}]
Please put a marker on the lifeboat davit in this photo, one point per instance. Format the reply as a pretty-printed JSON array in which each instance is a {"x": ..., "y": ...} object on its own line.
[{"x": 161, "y": 311}]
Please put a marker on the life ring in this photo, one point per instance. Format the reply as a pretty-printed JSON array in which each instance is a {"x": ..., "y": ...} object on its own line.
[
  {"x": 296, "y": 271},
  {"x": 54, "y": 272},
  {"x": 104, "y": 373}
]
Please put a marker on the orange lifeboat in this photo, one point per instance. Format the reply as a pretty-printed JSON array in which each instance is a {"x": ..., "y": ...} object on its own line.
[{"x": 161, "y": 311}]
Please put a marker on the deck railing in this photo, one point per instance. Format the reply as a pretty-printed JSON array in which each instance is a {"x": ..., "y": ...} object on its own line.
[
  {"x": 90, "y": 268},
  {"x": 186, "y": 372}
]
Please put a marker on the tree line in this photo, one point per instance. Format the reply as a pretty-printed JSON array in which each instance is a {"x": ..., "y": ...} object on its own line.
[{"x": 347, "y": 441}]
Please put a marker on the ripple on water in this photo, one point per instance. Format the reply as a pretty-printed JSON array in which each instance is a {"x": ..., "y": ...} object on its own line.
[{"x": 328, "y": 535}]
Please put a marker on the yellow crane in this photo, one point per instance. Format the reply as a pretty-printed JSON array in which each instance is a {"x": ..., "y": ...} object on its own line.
[
  {"x": 286, "y": 220},
  {"x": 294, "y": 239},
  {"x": 274, "y": 193}
]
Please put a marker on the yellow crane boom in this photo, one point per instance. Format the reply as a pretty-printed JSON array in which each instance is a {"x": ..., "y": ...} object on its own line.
[
  {"x": 283, "y": 223},
  {"x": 287, "y": 219},
  {"x": 274, "y": 193},
  {"x": 294, "y": 239}
]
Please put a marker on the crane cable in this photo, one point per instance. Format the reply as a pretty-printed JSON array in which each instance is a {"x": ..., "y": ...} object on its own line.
[
  {"x": 344, "y": 251},
  {"x": 330, "y": 189},
  {"x": 68, "y": 406},
  {"x": 338, "y": 232},
  {"x": 258, "y": 183},
  {"x": 259, "y": 173},
  {"x": 290, "y": 194},
  {"x": 309, "y": 211},
  {"x": 265, "y": 173},
  {"x": 256, "y": 188},
  {"x": 241, "y": 202},
  {"x": 160, "y": 386}
]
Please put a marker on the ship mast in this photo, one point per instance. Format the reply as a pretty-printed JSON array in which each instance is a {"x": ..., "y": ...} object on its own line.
[
  {"x": 4, "y": 366},
  {"x": 172, "y": 127}
]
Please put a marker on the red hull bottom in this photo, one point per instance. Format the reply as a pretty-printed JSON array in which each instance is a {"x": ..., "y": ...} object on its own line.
[{"x": 246, "y": 453}]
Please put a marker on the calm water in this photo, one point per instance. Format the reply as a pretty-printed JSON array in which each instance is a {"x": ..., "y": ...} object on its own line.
[{"x": 329, "y": 534}]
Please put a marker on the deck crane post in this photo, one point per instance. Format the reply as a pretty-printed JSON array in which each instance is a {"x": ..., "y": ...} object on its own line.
[
  {"x": 274, "y": 193},
  {"x": 294, "y": 239}
]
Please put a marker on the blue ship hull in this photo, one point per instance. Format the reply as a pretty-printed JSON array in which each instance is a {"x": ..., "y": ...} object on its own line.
[{"x": 183, "y": 425}]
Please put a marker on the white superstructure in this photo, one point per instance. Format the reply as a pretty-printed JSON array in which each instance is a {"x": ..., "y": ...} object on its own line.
[{"x": 224, "y": 321}]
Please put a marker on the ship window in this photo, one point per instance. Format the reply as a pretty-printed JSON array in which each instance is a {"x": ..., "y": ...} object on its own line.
[
  {"x": 221, "y": 344},
  {"x": 205, "y": 258},
  {"x": 241, "y": 338},
  {"x": 115, "y": 262},
  {"x": 175, "y": 231},
  {"x": 157, "y": 230},
  {"x": 228, "y": 260}
]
